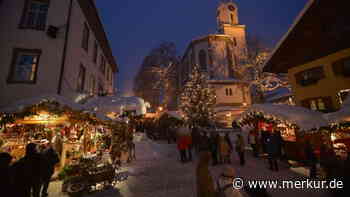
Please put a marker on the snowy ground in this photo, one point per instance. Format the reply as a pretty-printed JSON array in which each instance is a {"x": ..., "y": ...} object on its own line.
[{"x": 157, "y": 172}]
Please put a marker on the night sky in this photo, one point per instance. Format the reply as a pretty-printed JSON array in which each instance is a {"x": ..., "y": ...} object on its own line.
[{"x": 134, "y": 27}]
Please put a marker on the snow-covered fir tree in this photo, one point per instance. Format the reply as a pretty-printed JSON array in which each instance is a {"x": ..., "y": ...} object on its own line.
[{"x": 197, "y": 99}]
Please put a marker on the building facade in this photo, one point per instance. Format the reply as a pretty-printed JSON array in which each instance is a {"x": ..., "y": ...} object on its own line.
[
  {"x": 53, "y": 47},
  {"x": 220, "y": 55},
  {"x": 319, "y": 72}
]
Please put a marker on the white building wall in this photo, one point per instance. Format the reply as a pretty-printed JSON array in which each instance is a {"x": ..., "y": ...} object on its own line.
[
  {"x": 12, "y": 37},
  {"x": 52, "y": 51}
]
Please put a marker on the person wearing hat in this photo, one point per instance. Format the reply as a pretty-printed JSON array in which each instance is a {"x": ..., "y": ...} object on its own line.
[{"x": 225, "y": 183}]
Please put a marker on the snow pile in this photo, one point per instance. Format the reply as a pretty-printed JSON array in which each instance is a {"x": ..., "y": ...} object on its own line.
[
  {"x": 21, "y": 104},
  {"x": 302, "y": 117},
  {"x": 343, "y": 115}
]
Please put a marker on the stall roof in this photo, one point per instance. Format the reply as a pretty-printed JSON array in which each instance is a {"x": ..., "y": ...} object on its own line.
[
  {"x": 21, "y": 104},
  {"x": 304, "y": 118},
  {"x": 342, "y": 115},
  {"x": 174, "y": 114}
]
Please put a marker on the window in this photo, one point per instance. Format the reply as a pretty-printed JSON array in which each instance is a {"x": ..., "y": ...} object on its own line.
[
  {"x": 35, "y": 14},
  {"x": 81, "y": 79},
  {"x": 313, "y": 105},
  {"x": 103, "y": 64},
  {"x": 203, "y": 60},
  {"x": 226, "y": 90},
  {"x": 310, "y": 76},
  {"x": 230, "y": 90},
  {"x": 323, "y": 104},
  {"x": 24, "y": 66},
  {"x": 342, "y": 67},
  {"x": 95, "y": 52},
  {"x": 86, "y": 37}
]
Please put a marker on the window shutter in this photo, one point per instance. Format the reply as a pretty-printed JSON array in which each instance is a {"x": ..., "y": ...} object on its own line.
[
  {"x": 299, "y": 77},
  {"x": 328, "y": 103},
  {"x": 338, "y": 67},
  {"x": 305, "y": 103}
]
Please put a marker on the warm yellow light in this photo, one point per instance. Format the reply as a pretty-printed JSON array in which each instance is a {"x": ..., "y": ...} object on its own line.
[
  {"x": 245, "y": 104},
  {"x": 160, "y": 108},
  {"x": 333, "y": 138}
]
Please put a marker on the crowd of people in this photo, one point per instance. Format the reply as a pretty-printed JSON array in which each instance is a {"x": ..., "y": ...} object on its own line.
[{"x": 29, "y": 176}]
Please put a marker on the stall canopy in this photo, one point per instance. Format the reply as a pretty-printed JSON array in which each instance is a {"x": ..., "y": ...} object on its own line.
[
  {"x": 302, "y": 117},
  {"x": 18, "y": 106},
  {"x": 174, "y": 114},
  {"x": 341, "y": 116}
]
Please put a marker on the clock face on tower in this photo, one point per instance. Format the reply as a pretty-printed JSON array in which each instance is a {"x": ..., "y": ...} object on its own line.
[{"x": 231, "y": 7}]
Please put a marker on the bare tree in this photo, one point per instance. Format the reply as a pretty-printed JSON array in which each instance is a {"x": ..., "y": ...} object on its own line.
[{"x": 151, "y": 81}]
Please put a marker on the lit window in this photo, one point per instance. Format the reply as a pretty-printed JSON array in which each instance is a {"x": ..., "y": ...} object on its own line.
[
  {"x": 35, "y": 14},
  {"x": 321, "y": 105},
  {"x": 313, "y": 105},
  {"x": 25, "y": 65}
]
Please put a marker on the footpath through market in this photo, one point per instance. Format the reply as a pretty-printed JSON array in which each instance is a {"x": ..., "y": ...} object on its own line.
[{"x": 158, "y": 172}]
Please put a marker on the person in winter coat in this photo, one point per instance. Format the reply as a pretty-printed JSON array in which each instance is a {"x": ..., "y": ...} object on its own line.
[
  {"x": 51, "y": 159},
  {"x": 205, "y": 183},
  {"x": 224, "y": 150},
  {"x": 311, "y": 159},
  {"x": 28, "y": 173},
  {"x": 6, "y": 183},
  {"x": 224, "y": 184},
  {"x": 189, "y": 144},
  {"x": 214, "y": 148},
  {"x": 272, "y": 149},
  {"x": 182, "y": 146},
  {"x": 252, "y": 140},
  {"x": 240, "y": 146}
]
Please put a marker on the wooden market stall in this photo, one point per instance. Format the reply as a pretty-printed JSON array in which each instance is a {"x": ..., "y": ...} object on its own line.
[
  {"x": 296, "y": 124},
  {"x": 340, "y": 129},
  {"x": 50, "y": 119}
]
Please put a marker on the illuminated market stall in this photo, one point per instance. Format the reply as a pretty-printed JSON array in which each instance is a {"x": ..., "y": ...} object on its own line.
[
  {"x": 340, "y": 128},
  {"x": 296, "y": 124},
  {"x": 51, "y": 119}
]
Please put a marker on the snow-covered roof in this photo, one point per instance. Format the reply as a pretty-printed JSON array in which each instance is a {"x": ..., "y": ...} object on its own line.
[
  {"x": 21, "y": 104},
  {"x": 302, "y": 117},
  {"x": 276, "y": 94},
  {"x": 343, "y": 115},
  {"x": 116, "y": 104}
]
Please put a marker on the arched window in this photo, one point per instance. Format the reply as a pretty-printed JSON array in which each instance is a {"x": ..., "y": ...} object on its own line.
[
  {"x": 230, "y": 91},
  {"x": 203, "y": 60}
]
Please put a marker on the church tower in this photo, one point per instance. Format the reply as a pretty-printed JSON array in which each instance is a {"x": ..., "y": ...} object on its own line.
[{"x": 228, "y": 24}]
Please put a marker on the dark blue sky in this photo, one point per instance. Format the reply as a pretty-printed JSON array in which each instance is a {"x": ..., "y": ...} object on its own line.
[{"x": 134, "y": 27}]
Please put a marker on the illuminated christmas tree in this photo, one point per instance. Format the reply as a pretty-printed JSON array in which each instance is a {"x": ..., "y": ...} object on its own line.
[{"x": 198, "y": 99}]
